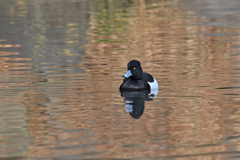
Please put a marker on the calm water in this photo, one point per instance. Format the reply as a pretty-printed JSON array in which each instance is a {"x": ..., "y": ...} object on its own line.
[{"x": 61, "y": 63}]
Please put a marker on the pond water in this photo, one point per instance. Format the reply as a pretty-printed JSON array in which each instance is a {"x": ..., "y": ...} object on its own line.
[{"x": 61, "y": 63}]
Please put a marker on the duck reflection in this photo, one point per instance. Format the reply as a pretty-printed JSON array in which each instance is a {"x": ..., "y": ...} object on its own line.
[{"x": 135, "y": 101}]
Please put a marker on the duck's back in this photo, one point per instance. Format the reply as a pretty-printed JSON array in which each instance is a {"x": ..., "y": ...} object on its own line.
[{"x": 148, "y": 77}]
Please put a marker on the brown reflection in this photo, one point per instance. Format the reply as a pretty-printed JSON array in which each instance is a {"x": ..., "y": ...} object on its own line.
[
  {"x": 13, "y": 119},
  {"x": 6, "y": 64},
  {"x": 9, "y": 45},
  {"x": 189, "y": 61}
]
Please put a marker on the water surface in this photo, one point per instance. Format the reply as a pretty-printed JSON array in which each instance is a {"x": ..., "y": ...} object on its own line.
[{"x": 61, "y": 64}]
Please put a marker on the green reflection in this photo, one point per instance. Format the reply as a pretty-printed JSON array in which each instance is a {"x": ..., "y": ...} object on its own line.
[{"x": 108, "y": 18}]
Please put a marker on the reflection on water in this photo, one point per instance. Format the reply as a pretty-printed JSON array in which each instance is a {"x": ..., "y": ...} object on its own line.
[
  {"x": 61, "y": 63},
  {"x": 135, "y": 101}
]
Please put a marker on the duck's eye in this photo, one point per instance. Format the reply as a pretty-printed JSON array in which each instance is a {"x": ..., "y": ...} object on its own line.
[{"x": 134, "y": 68}]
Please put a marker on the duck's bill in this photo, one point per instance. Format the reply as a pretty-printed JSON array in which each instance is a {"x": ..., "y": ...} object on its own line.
[{"x": 128, "y": 74}]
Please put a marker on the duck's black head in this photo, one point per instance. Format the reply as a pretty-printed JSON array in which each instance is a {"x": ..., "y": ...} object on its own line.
[{"x": 134, "y": 70}]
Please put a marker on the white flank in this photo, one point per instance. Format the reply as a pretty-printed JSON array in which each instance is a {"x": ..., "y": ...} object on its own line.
[
  {"x": 153, "y": 93},
  {"x": 153, "y": 85},
  {"x": 154, "y": 88}
]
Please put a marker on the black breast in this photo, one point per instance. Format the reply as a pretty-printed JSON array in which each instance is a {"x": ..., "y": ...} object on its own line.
[{"x": 131, "y": 84}]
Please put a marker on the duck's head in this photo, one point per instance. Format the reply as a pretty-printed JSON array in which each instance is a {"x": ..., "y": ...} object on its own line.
[{"x": 134, "y": 70}]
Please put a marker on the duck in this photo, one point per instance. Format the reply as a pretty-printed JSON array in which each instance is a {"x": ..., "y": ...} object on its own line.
[{"x": 136, "y": 79}]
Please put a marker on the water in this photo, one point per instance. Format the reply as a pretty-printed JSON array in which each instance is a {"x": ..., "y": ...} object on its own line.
[{"x": 61, "y": 64}]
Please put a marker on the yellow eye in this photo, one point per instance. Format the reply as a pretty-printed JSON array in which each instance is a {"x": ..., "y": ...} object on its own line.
[{"x": 134, "y": 68}]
